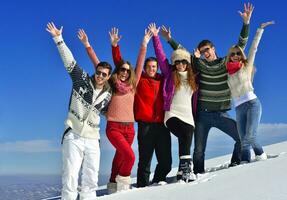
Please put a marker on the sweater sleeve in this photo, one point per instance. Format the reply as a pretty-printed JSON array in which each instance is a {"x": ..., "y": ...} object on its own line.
[
  {"x": 93, "y": 57},
  {"x": 243, "y": 38},
  {"x": 65, "y": 53},
  {"x": 117, "y": 57},
  {"x": 175, "y": 45},
  {"x": 77, "y": 74},
  {"x": 140, "y": 63},
  {"x": 253, "y": 50},
  {"x": 161, "y": 57}
]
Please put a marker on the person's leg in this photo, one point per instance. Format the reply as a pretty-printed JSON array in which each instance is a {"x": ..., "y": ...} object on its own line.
[
  {"x": 123, "y": 145},
  {"x": 72, "y": 156},
  {"x": 183, "y": 132},
  {"x": 127, "y": 151},
  {"x": 241, "y": 119},
  {"x": 90, "y": 169},
  {"x": 253, "y": 120},
  {"x": 162, "y": 152},
  {"x": 146, "y": 145},
  {"x": 228, "y": 125},
  {"x": 202, "y": 127},
  {"x": 112, "y": 133}
]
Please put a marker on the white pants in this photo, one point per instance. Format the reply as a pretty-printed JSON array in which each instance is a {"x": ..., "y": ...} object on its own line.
[{"x": 83, "y": 154}]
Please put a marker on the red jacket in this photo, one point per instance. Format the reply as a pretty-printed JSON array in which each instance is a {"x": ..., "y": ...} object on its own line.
[{"x": 148, "y": 104}]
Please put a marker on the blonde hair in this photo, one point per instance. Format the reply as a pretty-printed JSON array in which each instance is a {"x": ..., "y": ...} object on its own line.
[
  {"x": 243, "y": 59},
  {"x": 190, "y": 78}
]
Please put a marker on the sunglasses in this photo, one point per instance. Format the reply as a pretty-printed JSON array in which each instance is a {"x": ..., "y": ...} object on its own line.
[
  {"x": 177, "y": 62},
  {"x": 204, "y": 50},
  {"x": 103, "y": 74},
  {"x": 122, "y": 69},
  {"x": 238, "y": 53}
]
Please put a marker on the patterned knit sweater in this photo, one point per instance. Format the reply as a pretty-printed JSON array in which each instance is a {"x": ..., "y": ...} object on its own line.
[
  {"x": 240, "y": 83},
  {"x": 214, "y": 93},
  {"x": 86, "y": 103}
]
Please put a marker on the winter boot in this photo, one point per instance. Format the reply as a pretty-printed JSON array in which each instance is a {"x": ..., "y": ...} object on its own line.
[
  {"x": 112, "y": 187},
  {"x": 123, "y": 182},
  {"x": 263, "y": 156},
  {"x": 185, "y": 169}
]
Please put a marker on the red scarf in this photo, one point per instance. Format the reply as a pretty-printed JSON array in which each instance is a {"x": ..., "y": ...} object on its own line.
[
  {"x": 123, "y": 87},
  {"x": 233, "y": 67}
]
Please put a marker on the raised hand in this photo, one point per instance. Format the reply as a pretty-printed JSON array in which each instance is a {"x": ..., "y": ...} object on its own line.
[
  {"x": 153, "y": 29},
  {"x": 166, "y": 33},
  {"x": 53, "y": 30},
  {"x": 147, "y": 36},
  {"x": 263, "y": 25},
  {"x": 246, "y": 15},
  {"x": 83, "y": 38},
  {"x": 114, "y": 36},
  {"x": 196, "y": 53}
]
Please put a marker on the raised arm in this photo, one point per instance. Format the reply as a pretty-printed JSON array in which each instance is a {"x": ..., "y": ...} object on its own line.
[
  {"x": 166, "y": 34},
  {"x": 142, "y": 53},
  {"x": 246, "y": 16},
  {"x": 115, "y": 38},
  {"x": 160, "y": 55},
  {"x": 254, "y": 45},
  {"x": 83, "y": 37},
  {"x": 65, "y": 53}
]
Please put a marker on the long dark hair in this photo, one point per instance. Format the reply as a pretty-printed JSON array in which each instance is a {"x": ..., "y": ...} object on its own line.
[{"x": 132, "y": 77}]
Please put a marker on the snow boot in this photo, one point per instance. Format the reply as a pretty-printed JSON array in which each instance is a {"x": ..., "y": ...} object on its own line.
[
  {"x": 185, "y": 169},
  {"x": 123, "y": 183},
  {"x": 112, "y": 187}
]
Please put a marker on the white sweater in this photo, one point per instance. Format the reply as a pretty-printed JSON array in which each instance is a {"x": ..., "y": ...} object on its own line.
[
  {"x": 181, "y": 102},
  {"x": 240, "y": 83}
]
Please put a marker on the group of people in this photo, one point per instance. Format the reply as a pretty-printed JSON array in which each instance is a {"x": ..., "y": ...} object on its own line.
[{"x": 191, "y": 95}]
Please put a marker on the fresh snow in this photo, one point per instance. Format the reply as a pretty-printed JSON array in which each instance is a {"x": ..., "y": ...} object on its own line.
[{"x": 260, "y": 180}]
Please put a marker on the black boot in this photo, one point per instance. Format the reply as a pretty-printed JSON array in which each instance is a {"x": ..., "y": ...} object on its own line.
[{"x": 185, "y": 171}]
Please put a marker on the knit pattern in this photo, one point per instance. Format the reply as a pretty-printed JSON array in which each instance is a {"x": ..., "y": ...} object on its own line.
[{"x": 83, "y": 116}]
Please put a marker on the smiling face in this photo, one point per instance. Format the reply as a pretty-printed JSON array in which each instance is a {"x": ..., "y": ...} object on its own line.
[
  {"x": 235, "y": 55},
  {"x": 101, "y": 76},
  {"x": 151, "y": 68},
  {"x": 208, "y": 53},
  {"x": 181, "y": 65},
  {"x": 124, "y": 72}
]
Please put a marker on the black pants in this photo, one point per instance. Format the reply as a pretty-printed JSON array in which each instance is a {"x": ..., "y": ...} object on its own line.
[
  {"x": 183, "y": 132},
  {"x": 153, "y": 137}
]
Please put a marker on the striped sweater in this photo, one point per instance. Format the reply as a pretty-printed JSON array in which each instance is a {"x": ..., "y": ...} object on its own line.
[{"x": 214, "y": 93}]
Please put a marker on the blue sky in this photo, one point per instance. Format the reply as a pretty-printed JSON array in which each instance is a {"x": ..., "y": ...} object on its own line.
[{"x": 35, "y": 87}]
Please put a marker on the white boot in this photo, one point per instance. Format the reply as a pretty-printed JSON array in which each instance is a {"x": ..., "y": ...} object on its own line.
[
  {"x": 112, "y": 187},
  {"x": 123, "y": 182},
  {"x": 263, "y": 156}
]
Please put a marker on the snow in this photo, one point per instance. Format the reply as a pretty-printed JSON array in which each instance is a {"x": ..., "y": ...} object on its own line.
[{"x": 261, "y": 180}]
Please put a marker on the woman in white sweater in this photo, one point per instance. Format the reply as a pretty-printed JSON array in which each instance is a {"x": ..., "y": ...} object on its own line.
[{"x": 248, "y": 107}]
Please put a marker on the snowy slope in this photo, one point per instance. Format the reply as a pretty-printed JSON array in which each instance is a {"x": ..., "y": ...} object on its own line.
[{"x": 263, "y": 180}]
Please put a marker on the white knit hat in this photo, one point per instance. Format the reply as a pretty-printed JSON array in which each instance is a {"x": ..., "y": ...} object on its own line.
[{"x": 180, "y": 54}]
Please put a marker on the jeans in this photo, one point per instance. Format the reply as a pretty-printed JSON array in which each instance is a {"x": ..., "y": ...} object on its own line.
[
  {"x": 153, "y": 137},
  {"x": 248, "y": 117},
  {"x": 204, "y": 122}
]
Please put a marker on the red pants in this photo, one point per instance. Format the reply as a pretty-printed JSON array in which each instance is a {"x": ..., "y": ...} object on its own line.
[{"x": 121, "y": 135}]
